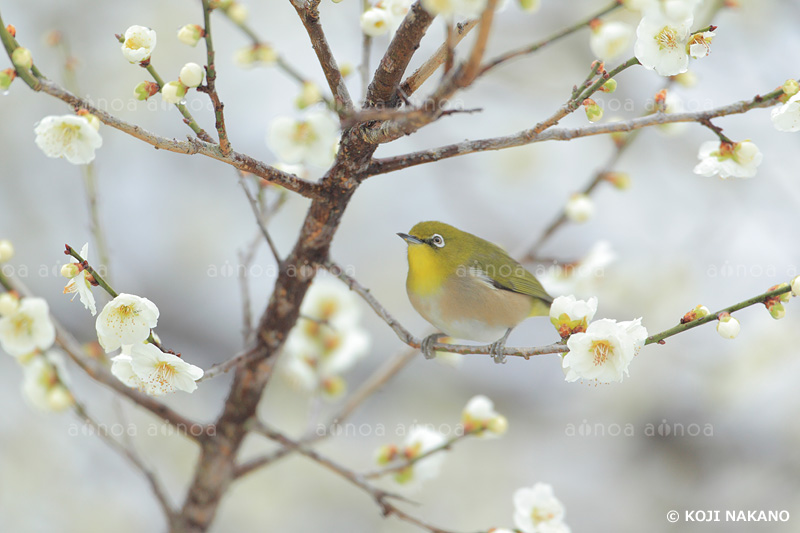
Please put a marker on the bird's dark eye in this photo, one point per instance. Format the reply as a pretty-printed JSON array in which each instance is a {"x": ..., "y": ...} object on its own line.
[{"x": 437, "y": 240}]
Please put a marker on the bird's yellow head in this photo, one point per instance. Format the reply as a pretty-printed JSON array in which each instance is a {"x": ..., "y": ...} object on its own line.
[{"x": 435, "y": 251}]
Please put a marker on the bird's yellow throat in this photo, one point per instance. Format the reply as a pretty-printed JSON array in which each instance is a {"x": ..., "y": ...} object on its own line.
[{"x": 426, "y": 271}]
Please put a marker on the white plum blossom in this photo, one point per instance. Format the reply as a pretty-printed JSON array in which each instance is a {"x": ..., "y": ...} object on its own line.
[
  {"x": 579, "y": 208},
  {"x": 43, "y": 383},
  {"x": 327, "y": 339},
  {"x": 161, "y": 373},
  {"x": 609, "y": 40},
  {"x": 384, "y": 17},
  {"x": 604, "y": 351},
  {"x": 190, "y": 34},
  {"x": 6, "y": 250},
  {"x": 125, "y": 320},
  {"x": 570, "y": 315},
  {"x": 139, "y": 43},
  {"x": 27, "y": 329},
  {"x": 537, "y": 510},
  {"x": 787, "y": 116},
  {"x": 80, "y": 285},
  {"x": 191, "y": 75},
  {"x": 449, "y": 8},
  {"x": 480, "y": 417},
  {"x": 421, "y": 440},
  {"x": 796, "y": 286},
  {"x": 728, "y": 327},
  {"x": 662, "y": 40},
  {"x": 376, "y": 21},
  {"x": 304, "y": 141},
  {"x": 9, "y": 303},
  {"x": 738, "y": 160},
  {"x": 69, "y": 136}
]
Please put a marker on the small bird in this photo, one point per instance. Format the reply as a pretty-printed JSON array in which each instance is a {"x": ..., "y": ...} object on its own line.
[{"x": 467, "y": 287}]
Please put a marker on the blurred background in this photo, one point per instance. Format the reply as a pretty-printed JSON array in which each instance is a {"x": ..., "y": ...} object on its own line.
[{"x": 172, "y": 221}]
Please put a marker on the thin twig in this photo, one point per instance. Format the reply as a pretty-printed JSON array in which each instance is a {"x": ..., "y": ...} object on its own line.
[
  {"x": 419, "y": 76},
  {"x": 410, "y": 461},
  {"x": 129, "y": 453},
  {"x": 210, "y": 87},
  {"x": 259, "y": 220},
  {"x": 569, "y": 30}
]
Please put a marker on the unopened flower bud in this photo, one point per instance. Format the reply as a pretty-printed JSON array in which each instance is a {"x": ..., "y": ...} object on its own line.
[
  {"x": 620, "y": 180},
  {"x": 698, "y": 312},
  {"x": 777, "y": 311},
  {"x": 191, "y": 75},
  {"x": 790, "y": 88},
  {"x": 9, "y": 303},
  {"x": 21, "y": 57},
  {"x": 728, "y": 327},
  {"x": 173, "y": 92},
  {"x": 334, "y": 387},
  {"x": 610, "y": 86},
  {"x": 346, "y": 69},
  {"x": 386, "y": 454},
  {"x": 190, "y": 34},
  {"x": 59, "y": 398},
  {"x": 6, "y": 250},
  {"x": 593, "y": 111},
  {"x": 309, "y": 95},
  {"x": 6, "y": 77},
  {"x": 796, "y": 286},
  {"x": 70, "y": 270},
  {"x": 579, "y": 208},
  {"x": 529, "y": 5},
  {"x": 145, "y": 90},
  {"x": 12, "y": 30},
  {"x": 237, "y": 13}
]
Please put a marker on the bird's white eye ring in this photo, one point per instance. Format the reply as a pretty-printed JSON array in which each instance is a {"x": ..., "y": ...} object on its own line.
[{"x": 437, "y": 240}]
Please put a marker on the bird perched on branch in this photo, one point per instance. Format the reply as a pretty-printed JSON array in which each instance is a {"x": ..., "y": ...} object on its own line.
[{"x": 468, "y": 288}]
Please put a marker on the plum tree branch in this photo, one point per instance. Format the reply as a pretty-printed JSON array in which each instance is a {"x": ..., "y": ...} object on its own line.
[
  {"x": 530, "y": 136},
  {"x": 382, "y": 91},
  {"x": 309, "y": 15},
  {"x": 238, "y": 160}
]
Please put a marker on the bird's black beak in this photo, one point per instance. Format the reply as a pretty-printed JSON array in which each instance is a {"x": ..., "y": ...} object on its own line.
[{"x": 410, "y": 239}]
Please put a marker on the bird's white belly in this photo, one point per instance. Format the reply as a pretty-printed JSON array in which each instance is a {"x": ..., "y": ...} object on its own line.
[{"x": 429, "y": 307}]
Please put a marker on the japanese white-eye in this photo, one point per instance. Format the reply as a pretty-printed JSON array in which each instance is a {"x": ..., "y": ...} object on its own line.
[{"x": 467, "y": 287}]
